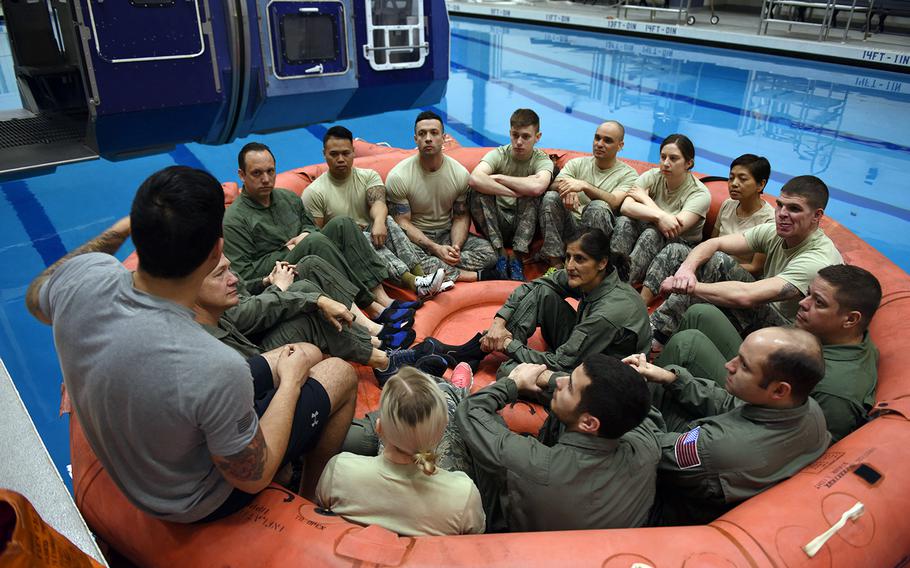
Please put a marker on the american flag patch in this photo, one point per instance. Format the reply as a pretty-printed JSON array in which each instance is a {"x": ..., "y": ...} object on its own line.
[
  {"x": 244, "y": 423},
  {"x": 687, "y": 449}
]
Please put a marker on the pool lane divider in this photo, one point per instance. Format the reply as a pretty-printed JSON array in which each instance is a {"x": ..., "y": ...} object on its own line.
[{"x": 35, "y": 220}]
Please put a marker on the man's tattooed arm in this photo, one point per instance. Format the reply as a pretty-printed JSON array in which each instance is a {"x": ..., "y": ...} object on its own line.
[{"x": 107, "y": 242}]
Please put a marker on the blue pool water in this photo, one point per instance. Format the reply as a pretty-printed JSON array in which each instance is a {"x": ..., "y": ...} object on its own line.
[{"x": 848, "y": 125}]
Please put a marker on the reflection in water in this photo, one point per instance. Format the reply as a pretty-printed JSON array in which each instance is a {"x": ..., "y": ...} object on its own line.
[
  {"x": 798, "y": 111},
  {"x": 806, "y": 117}
]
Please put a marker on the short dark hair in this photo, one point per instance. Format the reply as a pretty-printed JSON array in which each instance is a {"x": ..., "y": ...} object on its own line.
[
  {"x": 759, "y": 167},
  {"x": 251, "y": 147},
  {"x": 524, "y": 117},
  {"x": 596, "y": 244},
  {"x": 799, "y": 363},
  {"x": 429, "y": 115},
  {"x": 176, "y": 220},
  {"x": 810, "y": 188},
  {"x": 337, "y": 132},
  {"x": 617, "y": 395},
  {"x": 855, "y": 288},
  {"x": 686, "y": 147}
]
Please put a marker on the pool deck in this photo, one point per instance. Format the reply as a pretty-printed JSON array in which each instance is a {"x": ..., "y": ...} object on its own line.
[
  {"x": 27, "y": 468},
  {"x": 737, "y": 29}
]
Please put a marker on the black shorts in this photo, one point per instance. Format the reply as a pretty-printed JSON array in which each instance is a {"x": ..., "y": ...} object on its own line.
[{"x": 312, "y": 412}]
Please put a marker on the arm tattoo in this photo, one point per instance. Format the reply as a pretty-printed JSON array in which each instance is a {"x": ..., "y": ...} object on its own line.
[
  {"x": 401, "y": 209},
  {"x": 787, "y": 292},
  {"x": 248, "y": 464},
  {"x": 459, "y": 209},
  {"x": 374, "y": 194},
  {"x": 107, "y": 242}
]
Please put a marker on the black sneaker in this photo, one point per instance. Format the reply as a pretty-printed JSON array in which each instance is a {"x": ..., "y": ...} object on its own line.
[
  {"x": 399, "y": 339},
  {"x": 406, "y": 304},
  {"x": 468, "y": 351},
  {"x": 397, "y": 359},
  {"x": 435, "y": 364},
  {"x": 391, "y": 314}
]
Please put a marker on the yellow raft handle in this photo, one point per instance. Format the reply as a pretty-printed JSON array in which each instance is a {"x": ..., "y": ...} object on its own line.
[{"x": 816, "y": 544}]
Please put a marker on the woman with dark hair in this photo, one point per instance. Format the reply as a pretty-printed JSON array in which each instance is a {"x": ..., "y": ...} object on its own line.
[
  {"x": 610, "y": 319},
  {"x": 743, "y": 210},
  {"x": 666, "y": 204}
]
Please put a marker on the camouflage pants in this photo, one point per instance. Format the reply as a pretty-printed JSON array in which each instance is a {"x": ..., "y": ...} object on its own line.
[
  {"x": 476, "y": 253},
  {"x": 665, "y": 264},
  {"x": 400, "y": 254},
  {"x": 720, "y": 267},
  {"x": 558, "y": 224},
  {"x": 640, "y": 241},
  {"x": 503, "y": 226},
  {"x": 451, "y": 453}
]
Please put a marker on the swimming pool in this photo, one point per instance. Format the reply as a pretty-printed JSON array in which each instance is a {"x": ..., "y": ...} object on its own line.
[{"x": 849, "y": 126}]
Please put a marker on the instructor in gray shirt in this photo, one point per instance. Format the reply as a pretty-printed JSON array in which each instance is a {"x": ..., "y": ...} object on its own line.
[{"x": 159, "y": 399}]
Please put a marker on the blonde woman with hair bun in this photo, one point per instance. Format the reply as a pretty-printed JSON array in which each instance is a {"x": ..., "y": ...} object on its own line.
[{"x": 402, "y": 489}]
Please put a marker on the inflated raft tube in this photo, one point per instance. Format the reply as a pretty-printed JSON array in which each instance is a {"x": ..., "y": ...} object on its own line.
[{"x": 850, "y": 504}]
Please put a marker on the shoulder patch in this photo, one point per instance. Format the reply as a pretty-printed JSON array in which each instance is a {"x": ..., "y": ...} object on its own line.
[
  {"x": 244, "y": 423},
  {"x": 687, "y": 449}
]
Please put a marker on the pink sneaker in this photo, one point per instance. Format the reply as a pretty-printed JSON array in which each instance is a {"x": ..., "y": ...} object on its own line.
[{"x": 462, "y": 376}]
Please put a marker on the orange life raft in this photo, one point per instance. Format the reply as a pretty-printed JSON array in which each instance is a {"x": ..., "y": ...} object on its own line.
[{"x": 771, "y": 529}]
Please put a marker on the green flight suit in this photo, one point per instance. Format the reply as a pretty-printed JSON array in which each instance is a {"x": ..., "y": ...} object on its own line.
[
  {"x": 846, "y": 393},
  {"x": 254, "y": 238},
  {"x": 561, "y": 481},
  {"x": 611, "y": 319},
  {"x": 719, "y": 451},
  {"x": 274, "y": 317}
]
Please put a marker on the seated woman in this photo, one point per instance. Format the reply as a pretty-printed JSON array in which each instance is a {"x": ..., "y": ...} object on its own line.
[
  {"x": 666, "y": 204},
  {"x": 611, "y": 317},
  {"x": 743, "y": 210},
  {"x": 401, "y": 489}
]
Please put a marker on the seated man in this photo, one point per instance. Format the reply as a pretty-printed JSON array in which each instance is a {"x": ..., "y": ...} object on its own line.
[
  {"x": 587, "y": 192},
  {"x": 795, "y": 248},
  {"x": 841, "y": 302},
  {"x": 168, "y": 410},
  {"x": 268, "y": 309},
  {"x": 357, "y": 193},
  {"x": 508, "y": 183},
  {"x": 593, "y": 465},
  {"x": 289, "y": 317},
  {"x": 266, "y": 224},
  {"x": 428, "y": 194},
  {"x": 724, "y": 445}
]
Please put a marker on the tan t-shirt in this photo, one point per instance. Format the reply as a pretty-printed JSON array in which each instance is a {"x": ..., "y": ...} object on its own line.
[
  {"x": 400, "y": 497},
  {"x": 798, "y": 266},
  {"x": 618, "y": 178},
  {"x": 502, "y": 162},
  {"x": 430, "y": 195},
  {"x": 328, "y": 198},
  {"x": 729, "y": 223},
  {"x": 691, "y": 195}
]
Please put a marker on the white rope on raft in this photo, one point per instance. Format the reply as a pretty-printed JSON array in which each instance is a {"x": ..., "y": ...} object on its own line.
[{"x": 816, "y": 544}]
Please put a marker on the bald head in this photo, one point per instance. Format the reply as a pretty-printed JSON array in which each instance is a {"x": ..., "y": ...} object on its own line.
[
  {"x": 793, "y": 356},
  {"x": 614, "y": 125},
  {"x": 608, "y": 141}
]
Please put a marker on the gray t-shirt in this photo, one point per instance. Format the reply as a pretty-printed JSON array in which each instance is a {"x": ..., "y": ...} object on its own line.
[{"x": 155, "y": 394}]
